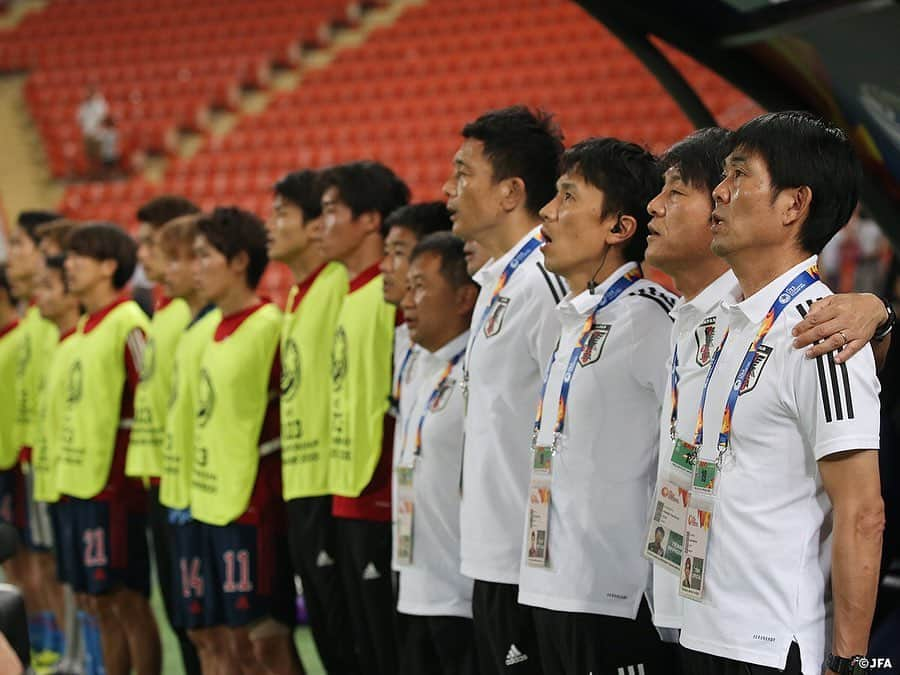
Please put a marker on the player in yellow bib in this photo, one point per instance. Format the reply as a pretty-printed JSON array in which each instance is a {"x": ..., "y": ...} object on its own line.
[
  {"x": 170, "y": 318},
  {"x": 32, "y": 566},
  {"x": 356, "y": 200},
  {"x": 311, "y": 312},
  {"x": 106, "y": 543},
  {"x": 236, "y": 493},
  {"x": 59, "y": 306},
  {"x": 183, "y": 596}
]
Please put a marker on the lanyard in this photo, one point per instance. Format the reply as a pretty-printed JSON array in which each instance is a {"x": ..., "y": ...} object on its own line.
[
  {"x": 673, "y": 420},
  {"x": 794, "y": 287},
  {"x": 622, "y": 284},
  {"x": 521, "y": 255},
  {"x": 435, "y": 394},
  {"x": 398, "y": 385}
]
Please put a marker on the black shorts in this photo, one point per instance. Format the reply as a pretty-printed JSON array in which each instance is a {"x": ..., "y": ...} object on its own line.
[
  {"x": 698, "y": 663},
  {"x": 442, "y": 645},
  {"x": 504, "y": 630},
  {"x": 574, "y": 642}
]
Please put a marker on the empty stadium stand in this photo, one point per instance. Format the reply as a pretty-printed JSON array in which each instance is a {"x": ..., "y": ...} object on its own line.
[
  {"x": 401, "y": 97},
  {"x": 160, "y": 65}
]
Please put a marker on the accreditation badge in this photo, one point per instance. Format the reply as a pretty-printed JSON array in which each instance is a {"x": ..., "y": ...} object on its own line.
[
  {"x": 405, "y": 512},
  {"x": 696, "y": 544},
  {"x": 538, "y": 538},
  {"x": 683, "y": 457},
  {"x": 664, "y": 544}
]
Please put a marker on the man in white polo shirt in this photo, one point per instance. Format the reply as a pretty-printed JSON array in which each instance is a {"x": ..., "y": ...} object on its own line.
[
  {"x": 595, "y": 436},
  {"x": 504, "y": 173},
  {"x": 435, "y": 597},
  {"x": 402, "y": 230},
  {"x": 784, "y": 486},
  {"x": 679, "y": 244}
]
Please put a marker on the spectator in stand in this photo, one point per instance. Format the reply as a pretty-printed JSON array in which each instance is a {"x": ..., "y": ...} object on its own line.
[
  {"x": 108, "y": 146},
  {"x": 91, "y": 113}
]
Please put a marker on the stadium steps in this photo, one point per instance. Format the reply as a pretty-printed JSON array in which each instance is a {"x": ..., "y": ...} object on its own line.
[
  {"x": 25, "y": 180},
  {"x": 13, "y": 16}
]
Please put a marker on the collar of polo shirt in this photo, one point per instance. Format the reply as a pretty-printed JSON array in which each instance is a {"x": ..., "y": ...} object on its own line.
[
  {"x": 452, "y": 348},
  {"x": 758, "y": 305},
  {"x": 584, "y": 303},
  {"x": 724, "y": 288},
  {"x": 494, "y": 267}
]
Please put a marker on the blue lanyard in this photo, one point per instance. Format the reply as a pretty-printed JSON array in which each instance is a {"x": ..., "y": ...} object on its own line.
[
  {"x": 621, "y": 285},
  {"x": 435, "y": 394},
  {"x": 399, "y": 384},
  {"x": 510, "y": 269},
  {"x": 794, "y": 287}
]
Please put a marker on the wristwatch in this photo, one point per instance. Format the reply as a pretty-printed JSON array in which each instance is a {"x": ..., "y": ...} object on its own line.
[
  {"x": 849, "y": 666},
  {"x": 885, "y": 328}
]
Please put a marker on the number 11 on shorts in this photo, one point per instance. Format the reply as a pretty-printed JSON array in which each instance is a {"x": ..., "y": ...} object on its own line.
[{"x": 241, "y": 560}]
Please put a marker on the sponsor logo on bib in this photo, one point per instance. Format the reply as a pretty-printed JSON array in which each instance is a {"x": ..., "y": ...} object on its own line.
[{"x": 290, "y": 370}]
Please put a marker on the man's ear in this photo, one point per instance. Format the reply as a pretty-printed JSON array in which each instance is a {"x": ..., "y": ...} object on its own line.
[
  {"x": 512, "y": 194},
  {"x": 620, "y": 231},
  {"x": 465, "y": 298},
  {"x": 797, "y": 202},
  {"x": 109, "y": 267},
  {"x": 370, "y": 221},
  {"x": 239, "y": 262}
]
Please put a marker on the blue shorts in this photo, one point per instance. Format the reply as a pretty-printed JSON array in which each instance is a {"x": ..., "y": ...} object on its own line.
[
  {"x": 105, "y": 547},
  {"x": 188, "y": 593}
]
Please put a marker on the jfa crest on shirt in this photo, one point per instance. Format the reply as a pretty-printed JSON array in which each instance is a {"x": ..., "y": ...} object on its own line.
[
  {"x": 495, "y": 319},
  {"x": 705, "y": 334},
  {"x": 444, "y": 393},
  {"x": 593, "y": 344},
  {"x": 759, "y": 361}
]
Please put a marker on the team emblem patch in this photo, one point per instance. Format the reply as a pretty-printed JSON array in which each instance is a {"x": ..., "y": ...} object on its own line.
[
  {"x": 443, "y": 395},
  {"x": 339, "y": 358},
  {"x": 73, "y": 393},
  {"x": 495, "y": 319},
  {"x": 759, "y": 361},
  {"x": 206, "y": 398},
  {"x": 290, "y": 370},
  {"x": 705, "y": 334},
  {"x": 148, "y": 360},
  {"x": 593, "y": 344}
]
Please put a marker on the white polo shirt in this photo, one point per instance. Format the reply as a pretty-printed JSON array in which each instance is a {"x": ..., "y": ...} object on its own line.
[
  {"x": 505, "y": 362},
  {"x": 697, "y": 332},
  {"x": 603, "y": 472},
  {"x": 401, "y": 382},
  {"x": 433, "y": 585},
  {"x": 769, "y": 557}
]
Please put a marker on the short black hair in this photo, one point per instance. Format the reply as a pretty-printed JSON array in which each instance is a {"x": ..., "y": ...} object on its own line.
[
  {"x": 799, "y": 149},
  {"x": 106, "y": 241},
  {"x": 230, "y": 231},
  {"x": 453, "y": 258},
  {"x": 699, "y": 158},
  {"x": 627, "y": 174},
  {"x": 303, "y": 189},
  {"x": 421, "y": 219},
  {"x": 366, "y": 186},
  {"x": 520, "y": 143},
  {"x": 160, "y": 210},
  {"x": 30, "y": 221}
]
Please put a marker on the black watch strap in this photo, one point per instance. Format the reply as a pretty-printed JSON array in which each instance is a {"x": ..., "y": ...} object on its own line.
[
  {"x": 845, "y": 666},
  {"x": 887, "y": 326}
]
